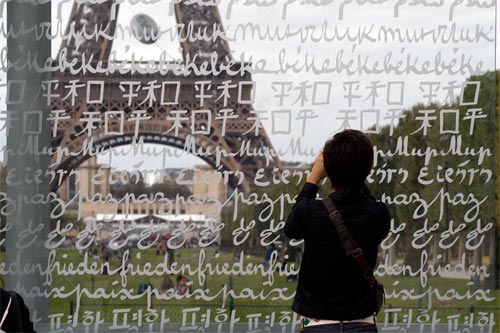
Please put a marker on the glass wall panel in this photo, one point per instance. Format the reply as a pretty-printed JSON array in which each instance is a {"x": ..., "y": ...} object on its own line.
[{"x": 152, "y": 152}]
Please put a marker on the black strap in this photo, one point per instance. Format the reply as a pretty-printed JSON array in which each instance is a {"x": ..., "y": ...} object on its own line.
[{"x": 351, "y": 247}]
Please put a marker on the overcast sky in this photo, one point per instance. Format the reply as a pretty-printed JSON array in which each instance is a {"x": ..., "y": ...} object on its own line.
[{"x": 319, "y": 129}]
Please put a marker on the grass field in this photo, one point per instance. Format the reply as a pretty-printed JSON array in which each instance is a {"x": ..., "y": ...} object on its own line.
[{"x": 396, "y": 309}]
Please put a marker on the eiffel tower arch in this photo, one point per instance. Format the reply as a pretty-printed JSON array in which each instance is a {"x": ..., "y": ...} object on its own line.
[{"x": 238, "y": 136}]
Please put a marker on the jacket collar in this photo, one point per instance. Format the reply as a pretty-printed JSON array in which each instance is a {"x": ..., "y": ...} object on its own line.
[{"x": 349, "y": 196}]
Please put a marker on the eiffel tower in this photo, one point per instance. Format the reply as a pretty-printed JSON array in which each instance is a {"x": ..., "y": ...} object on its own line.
[{"x": 238, "y": 134}]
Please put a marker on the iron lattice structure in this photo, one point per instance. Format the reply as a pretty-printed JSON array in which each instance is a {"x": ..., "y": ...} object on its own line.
[{"x": 71, "y": 135}]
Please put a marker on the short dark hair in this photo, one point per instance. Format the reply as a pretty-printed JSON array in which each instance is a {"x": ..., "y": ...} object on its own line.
[{"x": 348, "y": 158}]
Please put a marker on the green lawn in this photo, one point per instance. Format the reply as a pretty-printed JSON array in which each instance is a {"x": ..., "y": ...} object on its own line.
[
  {"x": 214, "y": 283},
  {"x": 255, "y": 283}
]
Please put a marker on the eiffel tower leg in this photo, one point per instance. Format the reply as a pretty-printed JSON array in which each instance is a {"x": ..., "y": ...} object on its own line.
[{"x": 238, "y": 134}]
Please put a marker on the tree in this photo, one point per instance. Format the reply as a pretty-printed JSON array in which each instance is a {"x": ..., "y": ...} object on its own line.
[{"x": 468, "y": 175}]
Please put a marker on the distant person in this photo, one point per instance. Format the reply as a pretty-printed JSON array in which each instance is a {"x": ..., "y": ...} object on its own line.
[
  {"x": 182, "y": 286},
  {"x": 332, "y": 293},
  {"x": 170, "y": 256},
  {"x": 236, "y": 255},
  {"x": 143, "y": 287},
  {"x": 162, "y": 248},
  {"x": 166, "y": 284},
  {"x": 268, "y": 254},
  {"x": 107, "y": 253},
  {"x": 15, "y": 315}
]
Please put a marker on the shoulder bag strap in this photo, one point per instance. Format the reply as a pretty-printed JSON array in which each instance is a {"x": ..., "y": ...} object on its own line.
[
  {"x": 351, "y": 247},
  {"x": 6, "y": 312}
]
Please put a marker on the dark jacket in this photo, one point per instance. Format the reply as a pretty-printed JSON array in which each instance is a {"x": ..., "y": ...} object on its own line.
[
  {"x": 18, "y": 318},
  {"x": 331, "y": 285}
]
